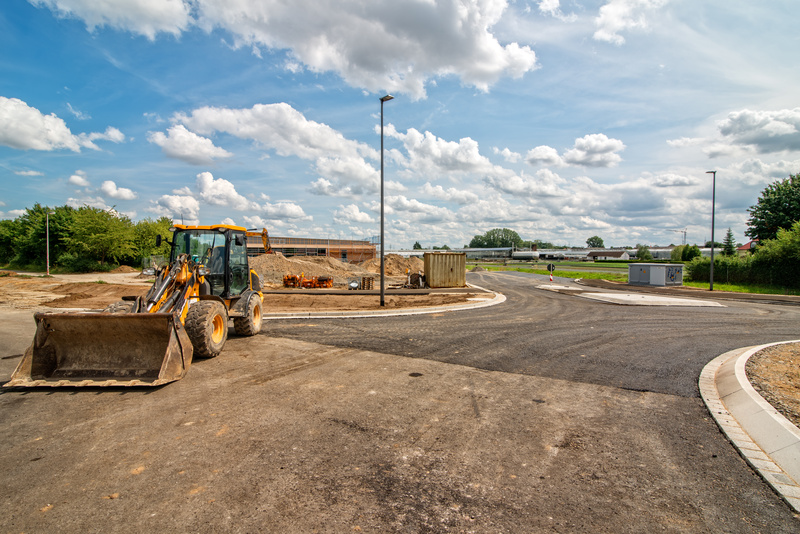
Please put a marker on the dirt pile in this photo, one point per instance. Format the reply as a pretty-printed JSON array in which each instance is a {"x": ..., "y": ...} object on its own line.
[
  {"x": 394, "y": 265},
  {"x": 273, "y": 267}
]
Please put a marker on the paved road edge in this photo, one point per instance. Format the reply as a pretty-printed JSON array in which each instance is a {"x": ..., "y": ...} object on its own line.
[
  {"x": 498, "y": 298},
  {"x": 767, "y": 441}
]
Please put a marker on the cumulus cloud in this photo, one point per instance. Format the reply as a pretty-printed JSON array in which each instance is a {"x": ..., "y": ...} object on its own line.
[
  {"x": 429, "y": 154},
  {"x": 595, "y": 150},
  {"x": 379, "y": 46},
  {"x": 674, "y": 180},
  {"x": 553, "y": 8},
  {"x": 351, "y": 214},
  {"x": 764, "y": 131},
  {"x": 221, "y": 192},
  {"x": 180, "y": 143},
  {"x": 92, "y": 202},
  {"x": 544, "y": 184},
  {"x": 109, "y": 188},
  {"x": 622, "y": 15},
  {"x": 508, "y": 155},
  {"x": 545, "y": 155},
  {"x": 26, "y": 128},
  {"x": 279, "y": 127},
  {"x": 79, "y": 179},
  {"x": 144, "y": 17},
  {"x": 177, "y": 207},
  {"x": 451, "y": 194},
  {"x": 28, "y": 173}
]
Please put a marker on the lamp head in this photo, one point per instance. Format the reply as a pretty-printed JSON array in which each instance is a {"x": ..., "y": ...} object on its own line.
[{"x": 387, "y": 98}]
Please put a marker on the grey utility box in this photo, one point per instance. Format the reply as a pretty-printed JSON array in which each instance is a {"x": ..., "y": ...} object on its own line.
[{"x": 655, "y": 274}]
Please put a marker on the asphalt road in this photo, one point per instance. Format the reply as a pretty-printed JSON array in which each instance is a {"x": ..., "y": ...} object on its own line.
[
  {"x": 546, "y": 334},
  {"x": 548, "y": 413}
]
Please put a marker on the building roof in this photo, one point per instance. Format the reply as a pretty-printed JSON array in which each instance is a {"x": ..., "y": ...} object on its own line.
[
  {"x": 749, "y": 245},
  {"x": 607, "y": 253}
]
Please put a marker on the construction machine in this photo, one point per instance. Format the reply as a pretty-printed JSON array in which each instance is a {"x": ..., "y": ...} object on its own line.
[{"x": 150, "y": 340}]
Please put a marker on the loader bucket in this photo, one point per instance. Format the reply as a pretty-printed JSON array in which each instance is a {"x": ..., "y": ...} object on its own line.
[{"x": 104, "y": 349}]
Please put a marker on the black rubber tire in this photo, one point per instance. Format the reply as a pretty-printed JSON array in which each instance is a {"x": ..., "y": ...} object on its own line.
[
  {"x": 207, "y": 326},
  {"x": 123, "y": 306},
  {"x": 250, "y": 324}
]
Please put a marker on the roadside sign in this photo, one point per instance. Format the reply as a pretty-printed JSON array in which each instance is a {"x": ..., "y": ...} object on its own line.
[{"x": 551, "y": 267}]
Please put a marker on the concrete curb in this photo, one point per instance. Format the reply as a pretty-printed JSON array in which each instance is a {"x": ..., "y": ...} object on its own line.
[
  {"x": 768, "y": 441},
  {"x": 470, "y": 305}
]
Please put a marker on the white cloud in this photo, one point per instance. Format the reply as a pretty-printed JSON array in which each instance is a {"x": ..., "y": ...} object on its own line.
[
  {"x": 276, "y": 126},
  {"x": 595, "y": 150},
  {"x": 350, "y": 214},
  {"x": 379, "y": 46},
  {"x": 145, "y": 17},
  {"x": 180, "y": 143},
  {"x": 221, "y": 192},
  {"x": 508, "y": 155},
  {"x": 92, "y": 202},
  {"x": 451, "y": 194},
  {"x": 764, "y": 131},
  {"x": 109, "y": 188},
  {"x": 622, "y": 15},
  {"x": 674, "y": 180},
  {"x": 229, "y": 221},
  {"x": 545, "y": 155},
  {"x": 429, "y": 154},
  {"x": 177, "y": 208},
  {"x": 284, "y": 210},
  {"x": 79, "y": 179},
  {"x": 81, "y": 116},
  {"x": 418, "y": 211},
  {"x": 553, "y": 8},
  {"x": 28, "y": 173},
  {"x": 544, "y": 184}
]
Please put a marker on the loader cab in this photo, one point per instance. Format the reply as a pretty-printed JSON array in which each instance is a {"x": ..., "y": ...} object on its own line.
[{"x": 222, "y": 249}]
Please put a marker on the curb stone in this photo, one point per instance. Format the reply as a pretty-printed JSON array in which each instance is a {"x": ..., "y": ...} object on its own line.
[{"x": 766, "y": 440}]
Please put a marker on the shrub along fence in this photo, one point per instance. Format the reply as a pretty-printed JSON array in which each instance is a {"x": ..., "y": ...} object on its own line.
[{"x": 784, "y": 272}]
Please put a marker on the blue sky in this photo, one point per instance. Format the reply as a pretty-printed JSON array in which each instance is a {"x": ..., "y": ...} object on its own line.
[{"x": 560, "y": 120}]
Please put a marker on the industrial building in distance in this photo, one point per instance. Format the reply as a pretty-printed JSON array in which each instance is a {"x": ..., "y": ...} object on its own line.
[{"x": 346, "y": 250}]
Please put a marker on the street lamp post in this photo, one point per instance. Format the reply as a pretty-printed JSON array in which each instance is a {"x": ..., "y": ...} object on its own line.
[
  {"x": 383, "y": 277},
  {"x": 47, "y": 237},
  {"x": 713, "y": 204}
]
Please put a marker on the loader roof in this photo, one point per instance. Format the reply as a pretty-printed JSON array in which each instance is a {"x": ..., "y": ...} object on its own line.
[{"x": 212, "y": 227}]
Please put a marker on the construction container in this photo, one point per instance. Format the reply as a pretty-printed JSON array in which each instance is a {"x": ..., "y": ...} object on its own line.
[
  {"x": 445, "y": 269},
  {"x": 655, "y": 274}
]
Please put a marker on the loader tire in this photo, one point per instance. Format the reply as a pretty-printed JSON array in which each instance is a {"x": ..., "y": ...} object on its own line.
[
  {"x": 207, "y": 326},
  {"x": 250, "y": 324},
  {"x": 123, "y": 306}
]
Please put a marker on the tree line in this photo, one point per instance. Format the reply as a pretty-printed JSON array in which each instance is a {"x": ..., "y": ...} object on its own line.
[{"x": 82, "y": 239}]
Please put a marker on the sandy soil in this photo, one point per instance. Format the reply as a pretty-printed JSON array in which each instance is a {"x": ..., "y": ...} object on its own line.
[
  {"x": 775, "y": 374},
  {"x": 96, "y": 291}
]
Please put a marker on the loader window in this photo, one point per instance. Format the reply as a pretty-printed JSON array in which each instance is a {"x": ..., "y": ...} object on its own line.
[
  {"x": 206, "y": 247},
  {"x": 239, "y": 271}
]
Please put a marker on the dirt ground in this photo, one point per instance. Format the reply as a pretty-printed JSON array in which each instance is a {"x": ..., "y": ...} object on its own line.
[
  {"x": 96, "y": 291},
  {"x": 775, "y": 374}
]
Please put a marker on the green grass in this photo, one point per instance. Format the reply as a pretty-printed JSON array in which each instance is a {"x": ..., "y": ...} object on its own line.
[
  {"x": 745, "y": 288},
  {"x": 542, "y": 269}
]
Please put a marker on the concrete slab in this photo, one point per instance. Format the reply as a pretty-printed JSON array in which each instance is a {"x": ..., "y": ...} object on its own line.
[{"x": 646, "y": 299}]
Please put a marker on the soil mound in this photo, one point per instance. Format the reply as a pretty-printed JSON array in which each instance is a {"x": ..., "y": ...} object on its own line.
[
  {"x": 477, "y": 269},
  {"x": 271, "y": 268},
  {"x": 394, "y": 265},
  {"x": 124, "y": 269}
]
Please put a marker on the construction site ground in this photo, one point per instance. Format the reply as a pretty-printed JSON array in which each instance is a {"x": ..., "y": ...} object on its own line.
[{"x": 281, "y": 434}]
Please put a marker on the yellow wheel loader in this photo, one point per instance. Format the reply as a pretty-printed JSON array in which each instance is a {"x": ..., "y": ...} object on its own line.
[{"x": 150, "y": 340}]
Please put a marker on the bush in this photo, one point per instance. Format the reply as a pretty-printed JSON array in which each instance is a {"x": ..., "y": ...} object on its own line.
[{"x": 75, "y": 263}]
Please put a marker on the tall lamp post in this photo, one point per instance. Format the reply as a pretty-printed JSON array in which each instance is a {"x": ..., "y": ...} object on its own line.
[
  {"x": 383, "y": 283},
  {"x": 713, "y": 205},
  {"x": 47, "y": 237}
]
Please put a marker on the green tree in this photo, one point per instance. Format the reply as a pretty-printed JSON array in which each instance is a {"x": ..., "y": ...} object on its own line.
[
  {"x": 496, "y": 238},
  {"x": 30, "y": 234},
  {"x": 729, "y": 244},
  {"x": 595, "y": 242},
  {"x": 443, "y": 247},
  {"x": 8, "y": 237},
  {"x": 417, "y": 246},
  {"x": 677, "y": 253},
  {"x": 690, "y": 252},
  {"x": 777, "y": 207},
  {"x": 643, "y": 253},
  {"x": 144, "y": 237},
  {"x": 101, "y": 234}
]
